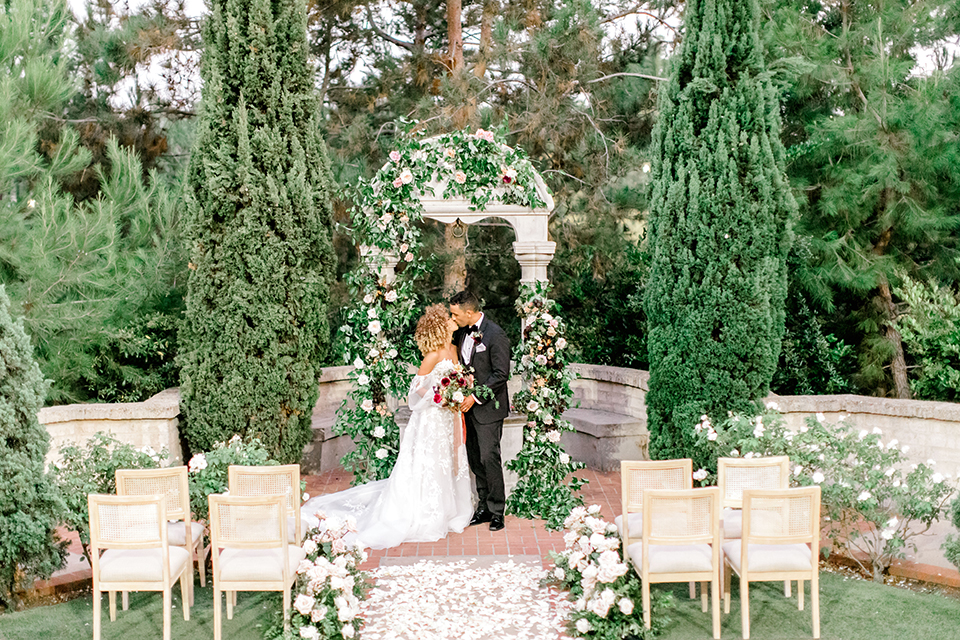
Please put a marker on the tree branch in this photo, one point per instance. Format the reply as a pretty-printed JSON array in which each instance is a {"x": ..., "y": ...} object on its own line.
[
  {"x": 409, "y": 46},
  {"x": 624, "y": 73}
]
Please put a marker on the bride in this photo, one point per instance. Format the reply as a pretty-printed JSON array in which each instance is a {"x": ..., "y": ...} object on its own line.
[{"x": 428, "y": 492}]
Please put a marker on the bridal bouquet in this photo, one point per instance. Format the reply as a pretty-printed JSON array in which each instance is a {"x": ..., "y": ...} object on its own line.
[{"x": 456, "y": 385}]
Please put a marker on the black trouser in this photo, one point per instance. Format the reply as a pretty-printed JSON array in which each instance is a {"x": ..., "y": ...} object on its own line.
[{"x": 483, "y": 454}]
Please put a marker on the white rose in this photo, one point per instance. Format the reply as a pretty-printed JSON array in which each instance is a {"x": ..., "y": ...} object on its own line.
[
  {"x": 626, "y": 606},
  {"x": 371, "y": 313},
  {"x": 583, "y": 625},
  {"x": 318, "y": 614},
  {"x": 374, "y": 327},
  {"x": 533, "y": 405},
  {"x": 367, "y": 405},
  {"x": 391, "y": 296},
  {"x": 542, "y": 360},
  {"x": 864, "y": 495},
  {"x": 700, "y": 474},
  {"x": 379, "y": 432},
  {"x": 304, "y": 604},
  {"x": 551, "y": 331},
  {"x": 310, "y": 633},
  {"x": 392, "y": 354},
  {"x": 309, "y": 546},
  {"x": 374, "y": 352},
  {"x": 821, "y": 417},
  {"x": 368, "y": 299},
  {"x": 347, "y": 631},
  {"x": 197, "y": 462},
  {"x": 564, "y": 458},
  {"x": 358, "y": 364},
  {"x": 937, "y": 478},
  {"x": 561, "y": 343},
  {"x": 406, "y": 176},
  {"x": 817, "y": 477},
  {"x": 381, "y": 453},
  {"x": 559, "y": 574},
  {"x": 553, "y": 436},
  {"x": 363, "y": 380},
  {"x": 458, "y": 397}
]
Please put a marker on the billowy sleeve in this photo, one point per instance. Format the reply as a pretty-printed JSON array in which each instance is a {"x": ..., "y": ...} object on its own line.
[{"x": 421, "y": 393}]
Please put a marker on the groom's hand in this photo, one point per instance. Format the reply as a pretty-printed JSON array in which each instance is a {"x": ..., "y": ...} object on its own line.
[{"x": 467, "y": 404}]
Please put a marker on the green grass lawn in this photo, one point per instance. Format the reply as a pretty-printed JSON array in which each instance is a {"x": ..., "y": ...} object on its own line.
[{"x": 849, "y": 610}]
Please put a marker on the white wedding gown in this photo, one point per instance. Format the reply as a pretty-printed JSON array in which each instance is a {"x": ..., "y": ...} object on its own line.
[{"x": 428, "y": 492}]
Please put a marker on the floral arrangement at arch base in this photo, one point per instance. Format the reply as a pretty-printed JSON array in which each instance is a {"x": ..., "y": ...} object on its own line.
[
  {"x": 604, "y": 586},
  {"x": 329, "y": 587},
  {"x": 874, "y": 501},
  {"x": 546, "y": 488},
  {"x": 375, "y": 335}
]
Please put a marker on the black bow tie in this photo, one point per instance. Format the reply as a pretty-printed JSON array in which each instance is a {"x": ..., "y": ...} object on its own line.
[{"x": 473, "y": 328}]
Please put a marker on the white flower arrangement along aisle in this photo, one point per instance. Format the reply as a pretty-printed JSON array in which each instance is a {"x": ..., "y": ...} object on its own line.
[
  {"x": 375, "y": 336},
  {"x": 604, "y": 587},
  {"x": 545, "y": 488}
]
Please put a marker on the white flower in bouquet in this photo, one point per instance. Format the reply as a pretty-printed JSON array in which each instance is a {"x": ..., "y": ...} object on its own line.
[
  {"x": 553, "y": 436},
  {"x": 817, "y": 477},
  {"x": 551, "y": 331},
  {"x": 583, "y": 625},
  {"x": 197, "y": 463},
  {"x": 358, "y": 364},
  {"x": 367, "y": 405},
  {"x": 603, "y": 602},
  {"x": 542, "y": 360},
  {"x": 304, "y": 604},
  {"x": 336, "y": 582},
  {"x": 375, "y": 327},
  {"x": 339, "y": 546},
  {"x": 309, "y": 632},
  {"x": 559, "y": 574},
  {"x": 547, "y": 419},
  {"x": 392, "y": 354},
  {"x": 391, "y": 296},
  {"x": 570, "y": 537},
  {"x": 379, "y": 432},
  {"x": 305, "y": 565},
  {"x": 532, "y": 406},
  {"x": 596, "y": 525},
  {"x": 373, "y": 353},
  {"x": 626, "y": 606},
  {"x": 458, "y": 396},
  {"x": 368, "y": 299},
  {"x": 318, "y": 614},
  {"x": 594, "y": 509},
  {"x": 371, "y": 313},
  {"x": 612, "y": 528},
  {"x": 406, "y": 176},
  {"x": 363, "y": 380},
  {"x": 564, "y": 458},
  {"x": 561, "y": 343},
  {"x": 408, "y": 257},
  {"x": 310, "y": 547},
  {"x": 598, "y": 539},
  {"x": 394, "y": 156},
  {"x": 347, "y": 631},
  {"x": 381, "y": 453}
]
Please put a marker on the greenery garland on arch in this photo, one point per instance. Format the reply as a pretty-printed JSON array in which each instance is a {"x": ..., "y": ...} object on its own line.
[{"x": 376, "y": 334}]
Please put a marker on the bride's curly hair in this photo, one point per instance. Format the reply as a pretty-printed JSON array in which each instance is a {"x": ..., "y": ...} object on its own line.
[{"x": 432, "y": 333}]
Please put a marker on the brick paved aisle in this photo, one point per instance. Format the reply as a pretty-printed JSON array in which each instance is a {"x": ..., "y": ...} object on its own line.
[{"x": 520, "y": 537}]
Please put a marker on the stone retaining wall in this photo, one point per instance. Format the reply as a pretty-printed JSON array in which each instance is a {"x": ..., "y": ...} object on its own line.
[{"x": 153, "y": 422}]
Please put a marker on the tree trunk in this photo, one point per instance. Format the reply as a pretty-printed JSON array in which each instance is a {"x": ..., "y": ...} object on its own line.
[
  {"x": 486, "y": 37},
  {"x": 455, "y": 279},
  {"x": 898, "y": 366},
  {"x": 455, "y": 35}
]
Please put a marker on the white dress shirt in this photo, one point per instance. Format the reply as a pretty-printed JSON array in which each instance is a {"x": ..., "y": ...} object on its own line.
[{"x": 466, "y": 349}]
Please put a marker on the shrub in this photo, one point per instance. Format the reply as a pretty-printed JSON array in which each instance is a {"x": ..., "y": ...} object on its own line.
[
  {"x": 873, "y": 500},
  {"x": 603, "y": 584},
  {"x": 30, "y": 506},
  {"x": 931, "y": 335},
  {"x": 92, "y": 468},
  {"x": 951, "y": 547},
  {"x": 208, "y": 471}
]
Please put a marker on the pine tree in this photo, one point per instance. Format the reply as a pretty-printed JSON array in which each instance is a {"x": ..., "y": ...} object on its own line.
[
  {"x": 719, "y": 228},
  {"x": 258, "y": 217},
  {"x": 30, "y": 507}
]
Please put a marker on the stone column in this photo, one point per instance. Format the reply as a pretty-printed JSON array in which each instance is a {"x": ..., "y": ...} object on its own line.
[
  {"x": 534, "y": 256},
  {"x": 383, "y": 263}
]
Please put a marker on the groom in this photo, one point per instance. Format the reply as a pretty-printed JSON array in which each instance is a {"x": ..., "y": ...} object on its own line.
[{"x": 485, "y": 347}]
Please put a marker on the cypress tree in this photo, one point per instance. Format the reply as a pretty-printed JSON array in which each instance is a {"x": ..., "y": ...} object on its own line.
[
  {"x": 259, "y": 225},
  {"x": 719, "y": 228},
  {"x": 30, "y": 506}
]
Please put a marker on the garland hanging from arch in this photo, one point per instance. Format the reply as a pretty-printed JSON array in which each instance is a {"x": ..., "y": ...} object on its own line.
[{"x": 375, "y": 336}]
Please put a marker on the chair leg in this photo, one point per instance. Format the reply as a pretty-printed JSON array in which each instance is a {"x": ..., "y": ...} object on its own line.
[
  {"x": 167, "y": 605},
  {"x": 230, "y": 595},
  {"x": 715, "y": 597},
  {"x": 113, "y": 606},
  {"x": 693, "y": 589},
  {"x": 286, "y": 603},
  {"x": 727, "y": 575},
  {"x": 202, "y": 563},
  {"x": 645, "y": 587},
  {"x": 125, "y": 600},
  {"x": 217, "y": 622},
  {"x": 786, "y": 588},
  {"x": 815, "y": 603},
  {"x": 745, "y": 607},
  {"x": 800, "y": 595},
  {"x": 703, "y": 596},
  {"x": 186, "y": 592},
  {"x": 96, "y": 612}
]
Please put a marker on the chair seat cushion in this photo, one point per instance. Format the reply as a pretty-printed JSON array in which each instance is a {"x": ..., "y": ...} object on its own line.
[
  {"x": 140, "y": 565},
  {"x": 767, "y": 558},
  {"x": 635, "y": 521},
  {"x": 666, "y": 558},
  {"x": 732, "y": 524},
  {"x": 176, "y": 531},
  {"x": 258, "y": 565}
]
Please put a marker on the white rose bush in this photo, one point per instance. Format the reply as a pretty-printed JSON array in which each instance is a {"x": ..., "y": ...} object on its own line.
[
  {"x": 375, "y": 335},
  {"x": 603, "y": 586},
  {"x": 545, "y": 488},
  {"x": 874, "y": 501},
  {"x": 330, "y": 585}
]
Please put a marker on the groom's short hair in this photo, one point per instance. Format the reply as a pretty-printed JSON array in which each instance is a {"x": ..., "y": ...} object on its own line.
[{"x": 466, "y": 300}]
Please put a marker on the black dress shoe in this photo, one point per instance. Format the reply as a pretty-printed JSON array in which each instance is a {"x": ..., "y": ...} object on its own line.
[
  {"x": 496, "y": 523},
  {"x": 481, "y": 516}
]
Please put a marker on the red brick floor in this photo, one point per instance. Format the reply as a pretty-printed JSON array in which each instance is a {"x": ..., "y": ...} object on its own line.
[{"x": 520, "y": 537}]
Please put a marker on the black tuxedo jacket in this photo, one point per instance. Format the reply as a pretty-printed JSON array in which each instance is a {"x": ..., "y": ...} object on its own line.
[{"x": 490, "y": 361}]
